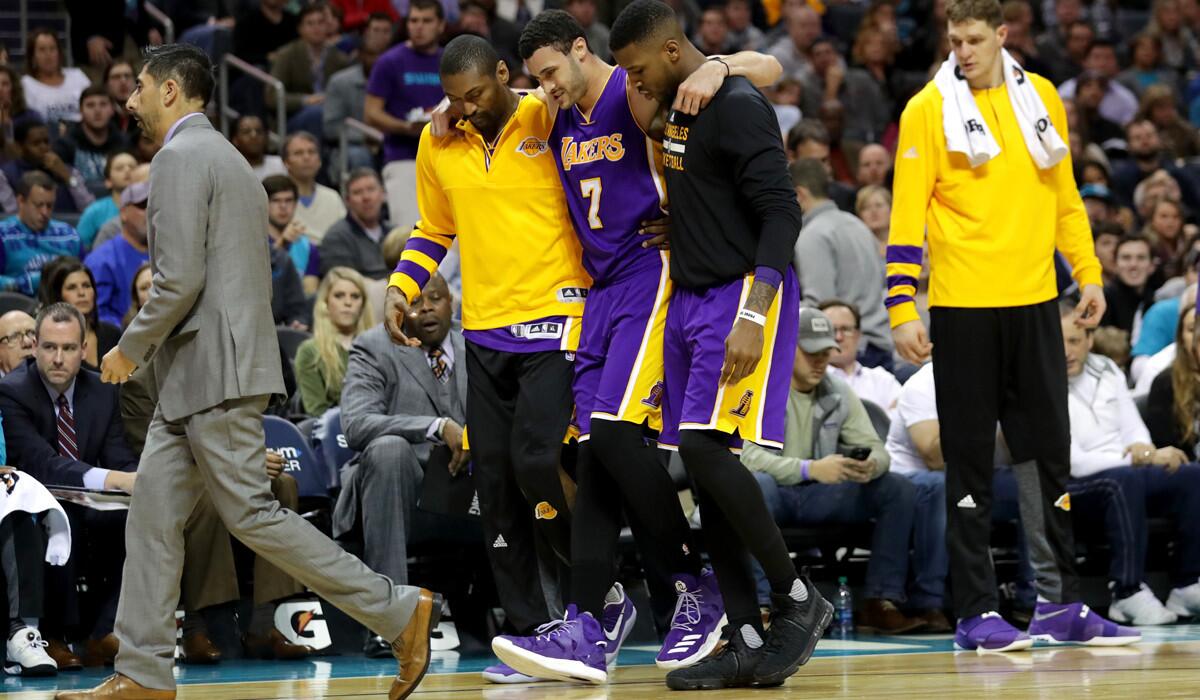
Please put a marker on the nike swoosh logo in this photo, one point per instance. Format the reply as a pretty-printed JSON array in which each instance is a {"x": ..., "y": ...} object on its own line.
[
  {"x": 1047, "y": 616},
  {"x": 616, "y": 628}
]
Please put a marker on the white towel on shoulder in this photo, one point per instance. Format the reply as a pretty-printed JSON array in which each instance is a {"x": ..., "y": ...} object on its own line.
[{"x": 968, "y": 133}]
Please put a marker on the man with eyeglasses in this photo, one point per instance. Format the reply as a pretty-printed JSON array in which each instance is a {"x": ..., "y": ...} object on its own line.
[
  {"x": 874, "y": 384},
  {"x": 17, "y": 338}
]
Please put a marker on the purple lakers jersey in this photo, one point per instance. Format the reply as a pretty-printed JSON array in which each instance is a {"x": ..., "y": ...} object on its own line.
[{"x": 609, "y": 171}]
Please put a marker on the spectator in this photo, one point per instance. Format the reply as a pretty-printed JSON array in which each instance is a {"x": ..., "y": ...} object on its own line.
[
  {"x": 812, "y": 483},
  {"x": 250, "y": 139},
  {"x": 1171, "y": 408},
  {"x": 357, "y": 15},
  {"x": 1146, "y": 69},
  {"x": 829, "y": 80},
  {"x": 115, "y": 263},
  {"x": 1146, "y": 158},
  {"x": 50, "y": 89},
  {"x": 207, "y": 24},
  {"x": 874, "y": 384},
  {"x": 17, "y": 338},
  {"x": 1110, "y": 445},
  {"x": 356, "y": 241},
  {"x": 873, "y": 204},
  {"x": 347, "y": 92},
  {"x": 479, "y": 17},
  {"x": 304, "y": 67},
  {"x": 1178, "y": 137},
  {"x": 837, "y": 257},
  {"x": 33, "y": 139},
  {"x": 874, "y": 162},
  {"x": 875, "y": 52},
  {"x": 340, "y": 316},
  {"x": 31, "y": 238},
  {"x": 1132, "y": 292},
  {"x": 1094, "y": 172},
  {"x": 102, "y": 29},
  {"x": 810, "y": 139},
  {"x": 112, "y": 228},
  {"x": 1100, "y": 205},
  {"x": 1064, "y": 49},
  {"x": 86, "y": 145},
  {"x": 1106, "y": 237},
  {"x": 288, "y": 303},
  {"x": 785, "y": 99},
  {"x": 66, "y": 279},
  {"x": 12, "y": 109},
  {"x": 1180, "y": 49},
  {"x": 286, "y": 233},
  {"x": 119, "y": 80},
  {"x": 404, "y": 86},
  {"x": 118, "y": 174},
  {"x": 1164, "y": 230},
  {"x": 320, "y": 206},
  {"x": 803, "y": 27},
  {"x": 596, "y": 32},
  {"x": 143, "y": 280},
  {"x": 712, "y": 38},
  {"x": 1018, "y": 18},
  {"x": 1093, "y": 126},
  {"x": 1154, "y": 351},
  {"x": 1118, "y": 104},
  {"x": 260, "y": 31},
  {"x": 401, "y": 405},
  {"x": 743, "y": 35}
]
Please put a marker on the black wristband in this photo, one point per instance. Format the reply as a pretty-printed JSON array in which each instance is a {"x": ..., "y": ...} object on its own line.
[{"x": 720, "y": 60}]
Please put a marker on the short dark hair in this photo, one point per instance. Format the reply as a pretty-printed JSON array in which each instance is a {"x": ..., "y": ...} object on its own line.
[
  {"x": 807, "y": 130},
  {"x": 237, "y": 123},
  {"x": 1133, "y": 238},
  {"x": 639, "y": 21},
  {"x": 31, "y": 179},
  {"x": 810, "y": 174},
  {"x": 287, "y": 142},
  {"x": 117, "y": 61},
  {"x": 359, "y": 173},
  {"x": 60, "y": 312},
  {"x": 469, "y": 53},
  {"x": 1139, "y": 121},
  {"x": 966, "y": 10},
  {"x": 185, "y": 64},
  {"x": 1107, "y": 228},
  {"x": 555, "y": 28},
  {"x": 93, "y": 90},
  {"x": 54, "y": 276},
  {"x": 849, "y": 306},
  {"x": 1101, "y": 43},
  {"x": 424, "y": 5},
  {"x": 26, "y": 124},
  {"x": 310, "y": 9},
  {"x": 274, "y": 184},
  {"x": 112, "y": 156}
]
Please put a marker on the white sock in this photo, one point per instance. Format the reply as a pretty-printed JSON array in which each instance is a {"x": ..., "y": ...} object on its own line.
[
  {"x": 751, "y": 637},
  {"x": 799, "y": 592}
]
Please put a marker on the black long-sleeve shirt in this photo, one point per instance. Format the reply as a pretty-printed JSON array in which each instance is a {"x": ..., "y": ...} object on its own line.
[{"x": 732, "y": 203}]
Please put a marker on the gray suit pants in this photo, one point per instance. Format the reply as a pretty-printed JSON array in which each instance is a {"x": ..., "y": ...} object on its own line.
[{"x": 220, "y": 451}]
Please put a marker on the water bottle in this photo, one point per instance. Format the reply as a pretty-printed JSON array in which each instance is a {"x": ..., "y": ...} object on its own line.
[{"x": 843, "y": 610}]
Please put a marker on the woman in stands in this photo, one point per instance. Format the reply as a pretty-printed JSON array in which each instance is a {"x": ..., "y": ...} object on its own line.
[
  {"x": 12, "y": 107},
  {"x": 340, "y": 315},
  {"x": 139, "y": 292},
  {"x": 66, "y": 279},
  {"x": 874, "y": 206},
  {"x": 1171, "y": 410},
  {"x": 51, "y": 90}
]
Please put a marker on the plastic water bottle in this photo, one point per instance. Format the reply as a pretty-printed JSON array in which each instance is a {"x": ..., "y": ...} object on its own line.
[{"x": 843, "y": 610}]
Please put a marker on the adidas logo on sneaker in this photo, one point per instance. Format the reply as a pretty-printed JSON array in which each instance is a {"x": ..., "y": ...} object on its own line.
[
  {"x": 967, "y": 502},
  {"x": 499, "y": 543}
]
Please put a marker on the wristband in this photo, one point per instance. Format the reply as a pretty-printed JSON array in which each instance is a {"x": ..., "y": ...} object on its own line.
[
  {"x": 804, "y": 465},
  {"x": 728, "y": 70},
  {"x": 752, "y": 317}
]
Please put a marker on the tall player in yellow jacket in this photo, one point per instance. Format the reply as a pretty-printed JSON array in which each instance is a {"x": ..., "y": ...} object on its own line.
[{"x": 982, "y": 169}]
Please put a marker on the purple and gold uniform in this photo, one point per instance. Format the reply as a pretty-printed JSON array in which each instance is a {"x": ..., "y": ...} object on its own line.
[{"x": 609, "y": 170}]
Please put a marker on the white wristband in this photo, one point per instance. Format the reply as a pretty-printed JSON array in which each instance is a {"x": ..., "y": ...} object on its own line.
[{"x": 752, "y": 317}]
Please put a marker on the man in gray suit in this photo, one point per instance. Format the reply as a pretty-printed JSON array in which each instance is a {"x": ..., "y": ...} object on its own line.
[
  {"x": 398, "y": 403},
  {"x": 207, "y": 328}
]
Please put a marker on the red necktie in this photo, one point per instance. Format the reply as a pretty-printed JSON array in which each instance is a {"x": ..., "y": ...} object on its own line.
[{"x": 67, "y": 445}]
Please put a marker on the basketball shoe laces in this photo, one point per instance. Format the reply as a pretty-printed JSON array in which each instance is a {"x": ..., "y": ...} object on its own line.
[
  {"x": 554, "y": 628},
  {"x": 32, "y": 641},
  {"x": 687, "y": 611}
]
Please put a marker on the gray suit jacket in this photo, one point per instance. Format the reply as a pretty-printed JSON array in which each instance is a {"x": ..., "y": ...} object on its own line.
[{"x": 207, "y": 325}]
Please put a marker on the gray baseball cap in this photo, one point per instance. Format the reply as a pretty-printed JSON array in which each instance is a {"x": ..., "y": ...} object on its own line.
[{"x": 816, "y": 331}]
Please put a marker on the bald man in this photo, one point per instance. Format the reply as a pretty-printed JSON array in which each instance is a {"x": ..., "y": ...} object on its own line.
[
  {"x": 17, "y": 340},
  {"x": 874, "y": 161}
]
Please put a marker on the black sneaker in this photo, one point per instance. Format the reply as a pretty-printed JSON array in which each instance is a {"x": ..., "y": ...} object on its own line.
[
  {"x": 376, "y": 647},
  {"x": 795, "y": 629},
  {"x": 731, "y": 667}
]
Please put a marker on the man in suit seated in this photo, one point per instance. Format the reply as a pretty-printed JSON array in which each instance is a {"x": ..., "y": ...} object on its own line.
[
  {"x": 398, "y": 404},
  {"x": 63, "y": 427}
]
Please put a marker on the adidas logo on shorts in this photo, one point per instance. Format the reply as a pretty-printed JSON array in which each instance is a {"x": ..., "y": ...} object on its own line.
[
  {"x": 499, "y": 543},
  {"x": 967, "y": 502}
]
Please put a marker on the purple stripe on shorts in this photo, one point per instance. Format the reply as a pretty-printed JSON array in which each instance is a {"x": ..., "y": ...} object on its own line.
[
  {"x": 901, "y": 280},
  {"x": 908, "y": 254},
  {"x": 897, "y": 300},
  {"x": 418, "y": 274},
  {"x": 426, "y": 246}
]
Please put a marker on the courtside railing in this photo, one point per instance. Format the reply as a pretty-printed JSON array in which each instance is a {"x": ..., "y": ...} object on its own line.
[{"x": 267, "y": 80}]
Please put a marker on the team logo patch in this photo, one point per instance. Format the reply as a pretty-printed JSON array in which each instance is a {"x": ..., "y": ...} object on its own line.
[
  {"x": 654, "y": 398},
  {"x": 1064, "y": 502},
  {"x": 544, "y": 511},
  {"x": 543, "y": 330},
  {"x": 532, "y": 147},
  {"x": 743, "y": 406}
]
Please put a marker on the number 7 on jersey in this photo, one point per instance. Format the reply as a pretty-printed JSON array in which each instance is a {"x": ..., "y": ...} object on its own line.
[{"x": 591, "y": 190}]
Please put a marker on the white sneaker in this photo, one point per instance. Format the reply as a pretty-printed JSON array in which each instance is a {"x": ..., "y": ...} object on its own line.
[
  {"x": 27, "y": 655},
  {"x": 1185, "y": 602},
  {"x": 1141, "y": 609}
]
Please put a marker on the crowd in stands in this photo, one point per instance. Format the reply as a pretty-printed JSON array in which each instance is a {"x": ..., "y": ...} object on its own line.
[{"x": 74, "y": 189}]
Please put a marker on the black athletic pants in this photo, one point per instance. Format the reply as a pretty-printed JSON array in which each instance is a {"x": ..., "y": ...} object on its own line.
[
  {"x": 1006, "y": 365},
  {"x": 518, "y": 408},
  {"x": 22, "y": 555}
]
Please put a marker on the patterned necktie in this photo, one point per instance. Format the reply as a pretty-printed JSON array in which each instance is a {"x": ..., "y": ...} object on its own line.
[
  {"x": 437, "y": 362},
  {"x": 67, "y": 446}
]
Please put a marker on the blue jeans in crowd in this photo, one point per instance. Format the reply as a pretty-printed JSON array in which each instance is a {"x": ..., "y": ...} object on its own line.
[{"x": 889, "y": 501}]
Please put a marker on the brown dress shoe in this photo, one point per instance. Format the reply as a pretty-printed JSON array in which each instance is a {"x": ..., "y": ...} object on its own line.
[
  {"x": 936, "y": 622},
  {"x": 199, "y": 649},
  {"x": 101, "y": 652},
  {"x": 882, "y": 616},
  {"x": 61, "y": 652},
  {"x": 411, "y": 648},
  {"x": 117, "y": 686},
  {"x": 274, "y": 646}
]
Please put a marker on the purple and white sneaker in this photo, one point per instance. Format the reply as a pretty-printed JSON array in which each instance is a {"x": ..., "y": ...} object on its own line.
[
  {"x": 697, "y": 623},
  {"x": 503, "y": 673},
  {"x": 989, "y": 633},
  {"x": 1076, "y": 623},
  {"x": 571, "y": 649},
  {"x": 617, "y": 621}
]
